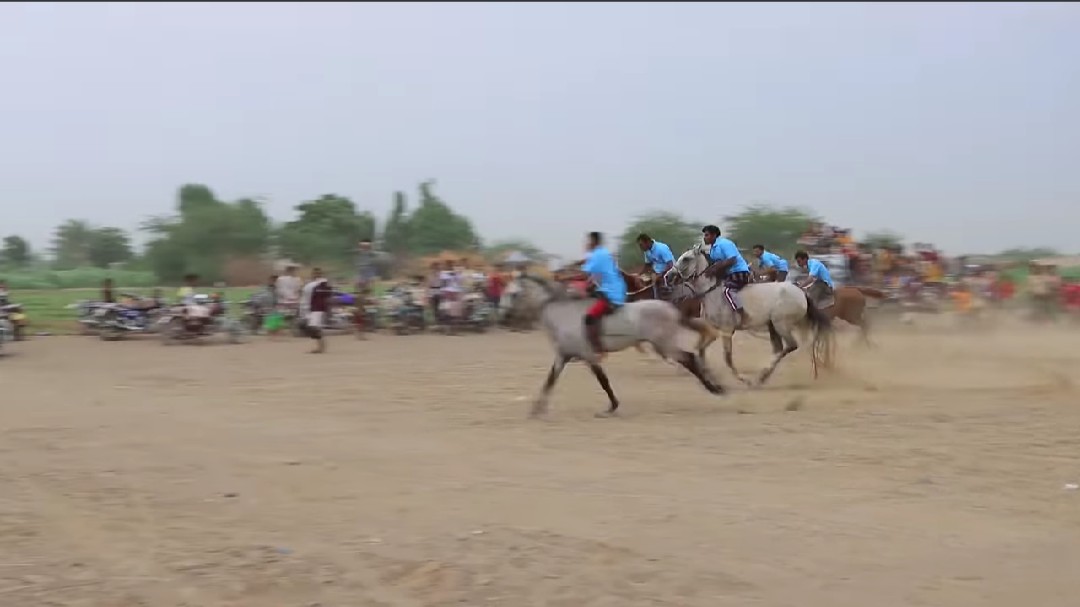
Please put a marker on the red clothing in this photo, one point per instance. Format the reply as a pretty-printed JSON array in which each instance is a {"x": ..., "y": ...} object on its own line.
[
  {"x": 1070, "y": 294},
  {"x": 495, "y": 286},
  {"x": 599, "y": 308}
]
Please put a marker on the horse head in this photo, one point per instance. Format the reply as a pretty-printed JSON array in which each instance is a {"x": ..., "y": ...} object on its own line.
[{"x": 689, "y": 265}]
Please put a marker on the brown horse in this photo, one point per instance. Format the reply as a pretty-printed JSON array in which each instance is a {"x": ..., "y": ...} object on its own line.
[{"x": 850, "y": 306}]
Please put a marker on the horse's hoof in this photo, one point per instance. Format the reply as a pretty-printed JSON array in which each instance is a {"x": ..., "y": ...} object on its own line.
[{"x": 605, "y": 414}]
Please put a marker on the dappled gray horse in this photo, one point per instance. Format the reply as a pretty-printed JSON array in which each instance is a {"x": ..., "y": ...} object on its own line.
[
  {"x": 656, "y": 322},
  {"x": 779, "y": 307}
]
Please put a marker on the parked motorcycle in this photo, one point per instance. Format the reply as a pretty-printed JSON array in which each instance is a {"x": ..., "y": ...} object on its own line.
[
  {"x": 113, "y": 321},
  {"x": 204, "y": 317},
  {"x": 406, "y": 315},
  {"x": 479, "y": 313},
  {"x": 14, "y": 320},
  {"x": 86, "y": 314}
]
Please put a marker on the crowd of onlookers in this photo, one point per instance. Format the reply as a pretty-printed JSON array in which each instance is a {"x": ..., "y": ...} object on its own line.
[{"x": 909, "y": 272}]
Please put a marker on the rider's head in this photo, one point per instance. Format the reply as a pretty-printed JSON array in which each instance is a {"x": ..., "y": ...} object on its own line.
[
  {"x": 644, "y": 241},
  {"x": 802, "y": 258},
  {"x": 365, "y": 244},
  {"x": 710, "y": 233},
  {"x": 316, "y": 273},
  {"x": 593, "y": 240},
  {"x": 191, "y": 279},
  {"x": 759, "y": 250}
]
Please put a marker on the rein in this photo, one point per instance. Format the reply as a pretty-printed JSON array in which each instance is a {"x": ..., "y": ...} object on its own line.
[{"x": 688, "y": 280}]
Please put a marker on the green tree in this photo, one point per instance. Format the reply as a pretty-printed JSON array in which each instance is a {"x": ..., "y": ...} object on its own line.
[
  {"x": 435, "y": 227},
  {"x": 776, "y": 228},
  {"x": 205, "y": 235},
  {"x": 882, "y": 239},
  {"x": 327, "y": 230},
  {"x": 1027, "y": 254},
  {"x": 671, "y": 229},
  {"x": 108, "y": 246},
  {"x": 501, "y": 248},
  {"x": 71, "y": 244},
  {"x": 395, "y": 236},
  {"x": 16, "y": 251}
]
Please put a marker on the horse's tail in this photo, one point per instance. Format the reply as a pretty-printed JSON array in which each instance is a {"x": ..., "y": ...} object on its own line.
[
  {"x": 871, "y": 292},
  {"x": 823, "y": 335}
]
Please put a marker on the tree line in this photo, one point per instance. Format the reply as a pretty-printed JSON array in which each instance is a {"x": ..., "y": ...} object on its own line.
[{"x": 205, "y": 233}]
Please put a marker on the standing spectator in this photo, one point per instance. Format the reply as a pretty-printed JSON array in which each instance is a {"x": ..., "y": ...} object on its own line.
[
  {"x": 496, "y": 284},
  {"x": 366, "y": 270},
  {"x": 288, "y": 288},
  {"x": 314, "y": 305}
]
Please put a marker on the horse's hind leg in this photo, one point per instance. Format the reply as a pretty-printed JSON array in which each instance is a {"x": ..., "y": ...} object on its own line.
[
  {"x": 783, "y": 344},
  {"x": 729, "y": 358},
  {"x": 540, "y": 405},
  {"x": 602, "y": 377},
  {"x": 864, "y": 330}
]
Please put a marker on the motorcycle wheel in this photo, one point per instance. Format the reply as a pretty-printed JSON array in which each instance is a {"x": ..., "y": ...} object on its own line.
[
  {"x": 109, "y": 328},
  {"x": 173, "y": 332}
]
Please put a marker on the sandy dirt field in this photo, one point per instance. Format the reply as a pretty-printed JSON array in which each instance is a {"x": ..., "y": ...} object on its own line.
[{"x": 402, "y": 471}]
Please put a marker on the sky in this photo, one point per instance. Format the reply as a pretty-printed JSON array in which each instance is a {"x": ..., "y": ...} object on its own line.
[{"x": 957, "y": 124}]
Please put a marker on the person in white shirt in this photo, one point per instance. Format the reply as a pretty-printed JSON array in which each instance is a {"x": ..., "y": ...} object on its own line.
[{"x": 288, "y": 288}]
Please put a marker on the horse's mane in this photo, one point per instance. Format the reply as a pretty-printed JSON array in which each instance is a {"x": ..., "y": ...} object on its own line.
[{"x": 549, "y": 288}]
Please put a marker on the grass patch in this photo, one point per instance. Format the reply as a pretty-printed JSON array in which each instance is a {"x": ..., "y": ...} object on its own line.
[{"x": 46, "y": 308}]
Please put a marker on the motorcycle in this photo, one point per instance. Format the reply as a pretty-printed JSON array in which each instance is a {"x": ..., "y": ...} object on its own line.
[
  {"x": 479, "y": 313},
  {"x": 14, "y": 320},
  {"x": 204, "y": 317},
  {"x": 113, "y": 321},
  {"x": 86, "y": 314},
  {"x": 256, "y": 309},
  {"x": 406, "y": 314}
]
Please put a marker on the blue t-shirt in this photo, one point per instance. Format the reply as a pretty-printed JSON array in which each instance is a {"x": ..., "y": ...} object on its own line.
[
  {"x": 772, "y": 260},
  {"x": 819, "y": 271},
  {"x": 659, "y": 255},
  {"x": 724, "y": 249},
  {"x": 609, "y": 281}
]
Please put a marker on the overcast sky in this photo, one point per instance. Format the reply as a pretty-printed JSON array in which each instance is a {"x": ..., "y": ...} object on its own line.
[{"x": 957, "y": 124}]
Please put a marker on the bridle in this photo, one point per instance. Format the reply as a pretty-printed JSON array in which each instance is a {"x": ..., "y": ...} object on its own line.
[{"x": 688, "y": 279}]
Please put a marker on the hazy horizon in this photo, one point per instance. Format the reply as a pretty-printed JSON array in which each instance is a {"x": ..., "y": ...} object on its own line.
[{"x": 955, "y": 124}]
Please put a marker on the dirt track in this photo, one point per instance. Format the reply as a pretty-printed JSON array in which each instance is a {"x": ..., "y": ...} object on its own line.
[{"x": 402, "y": 471}]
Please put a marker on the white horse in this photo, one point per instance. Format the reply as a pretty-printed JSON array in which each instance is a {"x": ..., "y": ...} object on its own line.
[
  {"x": 778, "y": 307},
  {"x": 654, "y": 321}
]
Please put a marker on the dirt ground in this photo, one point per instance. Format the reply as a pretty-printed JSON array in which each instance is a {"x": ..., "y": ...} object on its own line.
[{"x": 402, "y": 471}]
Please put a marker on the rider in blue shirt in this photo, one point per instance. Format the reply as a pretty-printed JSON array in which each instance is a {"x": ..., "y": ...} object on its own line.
[
  {"x": 818, "y": 284},
  {"x": 727, "y": 262},
  {"x": 774, "y": 265},
  {"x": 610, "y": 293},
  {"x": 658, "y": 258}
]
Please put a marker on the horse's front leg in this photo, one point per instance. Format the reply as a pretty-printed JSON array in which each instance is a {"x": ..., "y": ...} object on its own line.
[{"x": 540, "y": 405}]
